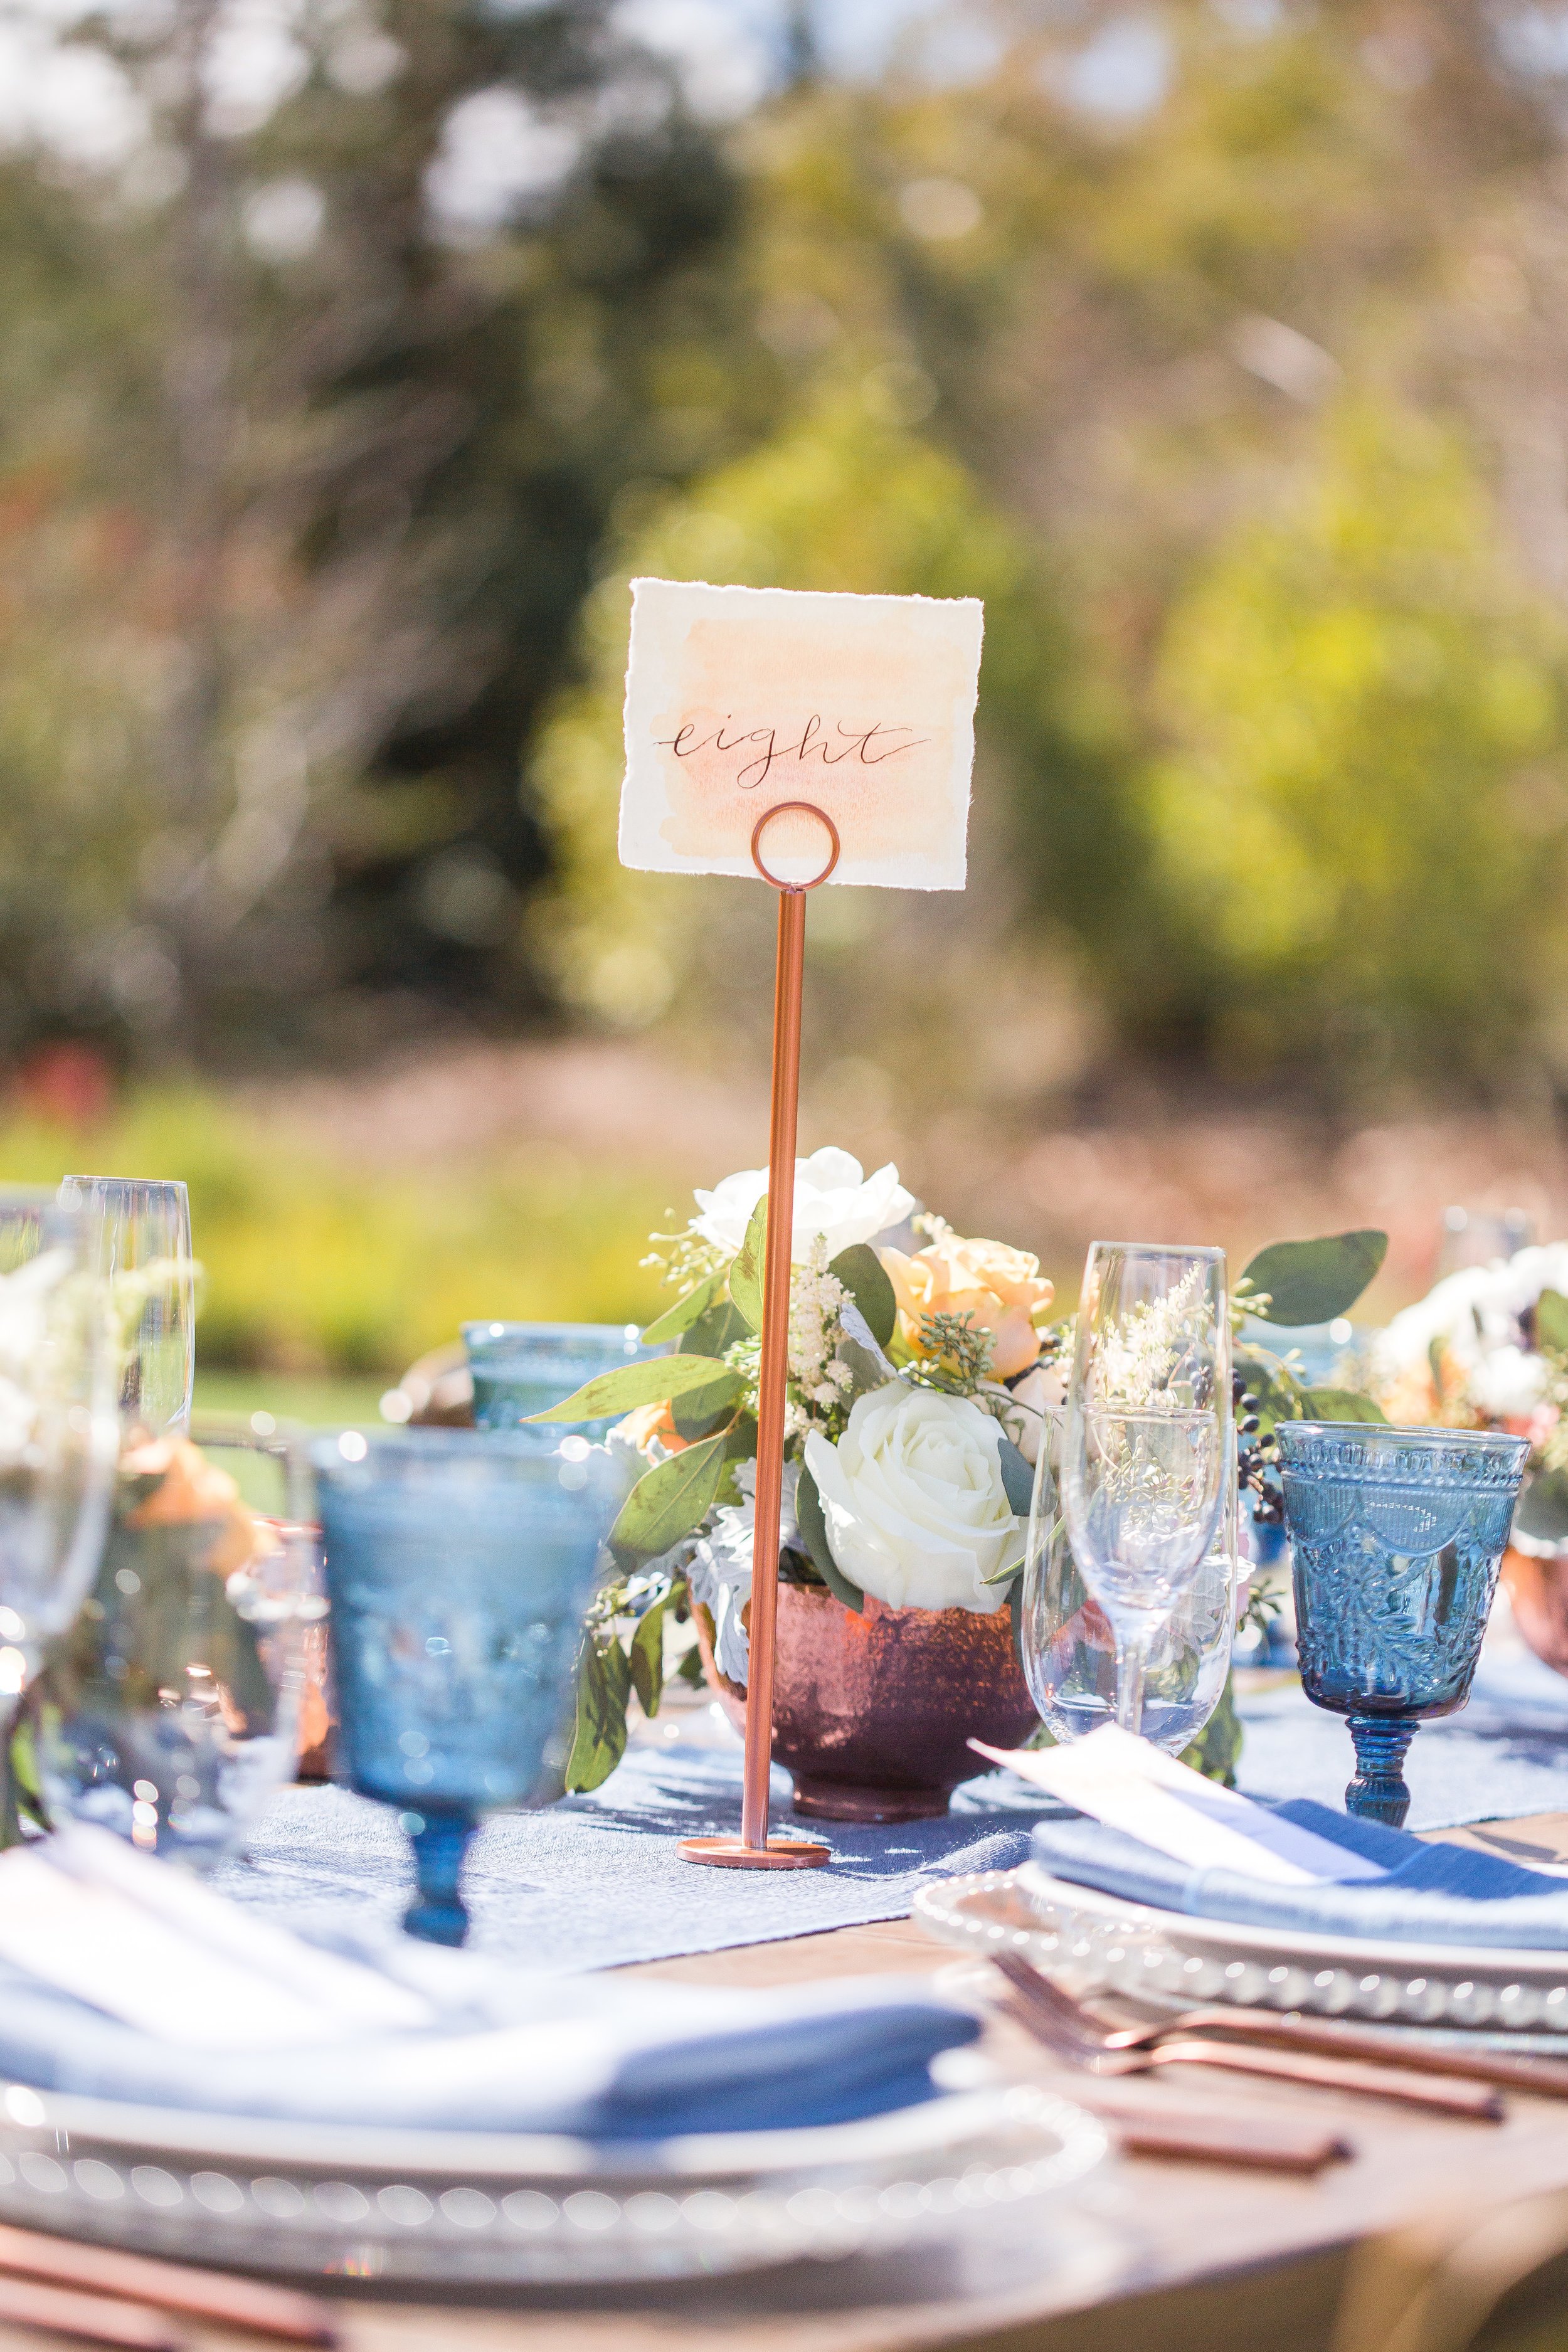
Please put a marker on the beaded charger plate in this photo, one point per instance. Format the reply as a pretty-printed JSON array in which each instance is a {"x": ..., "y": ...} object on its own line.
[
  {"x": 1169, "y": 1956},
  {"x": 398, "y": 2204}
]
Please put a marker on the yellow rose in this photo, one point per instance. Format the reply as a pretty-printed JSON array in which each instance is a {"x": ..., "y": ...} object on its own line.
[{"x": 1000, "y": 1289}]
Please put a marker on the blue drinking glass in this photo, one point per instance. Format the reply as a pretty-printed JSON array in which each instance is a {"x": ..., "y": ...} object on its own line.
[
  {"x": 1397, "y": 1536},
  {"x": 458, "y": 1566},
  {"x": 520, "y": 1368}
]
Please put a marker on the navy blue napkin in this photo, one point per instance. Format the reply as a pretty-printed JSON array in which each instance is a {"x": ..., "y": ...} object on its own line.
[{"x": 1427, "y": 1894}]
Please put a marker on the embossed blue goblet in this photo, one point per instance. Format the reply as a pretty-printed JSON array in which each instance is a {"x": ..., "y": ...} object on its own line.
[
  {"x": 521, "y": 1369},
  {"x": 1395, "y": 1536},
  {"x": 458, "y": 1566}
]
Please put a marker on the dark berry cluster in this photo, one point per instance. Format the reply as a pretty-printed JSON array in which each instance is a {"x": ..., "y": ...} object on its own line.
[{"x": 1256, "y": 1470}]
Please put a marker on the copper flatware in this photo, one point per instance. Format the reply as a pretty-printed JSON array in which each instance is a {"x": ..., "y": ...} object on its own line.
[
  {"x": 1080, "y": 2045},
  {"x": 174, "y": 2286},
  {"x": 1158, "y": 2127},
  {"x": 1548, "y": 2077},
  {"x": 93, "y": 2317}
]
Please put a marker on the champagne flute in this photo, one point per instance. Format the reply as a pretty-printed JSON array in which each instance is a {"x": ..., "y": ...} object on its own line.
[
  {"x": 1148, "y": 1439},
  {"x": 1066, "y": 1644},
  {"x": 142, "y": 1229},
  {"x": 59, "y": 1429}
]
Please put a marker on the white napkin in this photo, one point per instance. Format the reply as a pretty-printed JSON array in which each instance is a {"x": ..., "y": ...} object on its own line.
[
  {"x": 89, "y": 1915},
  {"x": 1130, "y": 1784}
]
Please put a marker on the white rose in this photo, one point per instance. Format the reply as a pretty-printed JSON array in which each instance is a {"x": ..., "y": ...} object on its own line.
[
  {"x": 1509, "y": 1384},
  {"x": 834, "y": 1203},
  {"x": 912, "y": 1495}
]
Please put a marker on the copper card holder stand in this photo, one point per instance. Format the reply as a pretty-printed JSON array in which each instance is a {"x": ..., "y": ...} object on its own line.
[{"x": 755, "y": 1848}]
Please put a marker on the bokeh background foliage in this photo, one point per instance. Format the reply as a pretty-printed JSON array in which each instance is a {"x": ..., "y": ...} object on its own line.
[
  {"x": 354, "y": 353},
  {"x": 313, "y": 1266}
]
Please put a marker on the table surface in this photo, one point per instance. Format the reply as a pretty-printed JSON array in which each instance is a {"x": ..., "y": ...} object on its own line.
[{"x": 1173, "y": 2256}]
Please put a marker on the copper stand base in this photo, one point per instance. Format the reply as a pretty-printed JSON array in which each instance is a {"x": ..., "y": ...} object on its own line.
[{"x": 734, "y": 1854}]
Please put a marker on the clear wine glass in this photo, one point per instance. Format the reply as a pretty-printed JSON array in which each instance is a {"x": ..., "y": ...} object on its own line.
[
  {"x": 142, "y": 1227},
  {"x": 1148, "y": 1439},
  {"x": 59, "y": 1429},
  {"x": 169, "y": 1713},
  {"x": 1065, "y": 1639}
]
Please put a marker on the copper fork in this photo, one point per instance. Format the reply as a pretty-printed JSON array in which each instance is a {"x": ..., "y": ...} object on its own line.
[
  {"x": 1509, "y": 2071},
  {"x": 1081, "y": 2044}
]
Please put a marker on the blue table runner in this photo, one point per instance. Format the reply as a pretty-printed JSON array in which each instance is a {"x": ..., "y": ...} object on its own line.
[{"x": 596, "y": 1882}]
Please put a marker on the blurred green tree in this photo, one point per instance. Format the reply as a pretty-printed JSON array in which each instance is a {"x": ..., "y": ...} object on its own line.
[
  {"x": 1364, "y": 817},
  {"x": 355, "y": 354}
]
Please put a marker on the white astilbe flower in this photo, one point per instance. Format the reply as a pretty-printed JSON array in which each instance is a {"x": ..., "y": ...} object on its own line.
[
  {"x": 1137, "y": 1361},
  {"x": 719, "y": 1570},
  {"x": 816, "y": 1300}
]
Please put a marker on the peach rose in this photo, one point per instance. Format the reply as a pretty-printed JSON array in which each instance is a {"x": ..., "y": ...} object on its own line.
[
  {"x": 192, "y": 1489},
  {"x": 1001, "y": 1289},
  {"x": 646, "y": 1421}
]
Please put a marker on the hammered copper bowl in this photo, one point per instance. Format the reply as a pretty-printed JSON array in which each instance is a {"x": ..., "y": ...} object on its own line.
[{"x": 872, "y": 1714}]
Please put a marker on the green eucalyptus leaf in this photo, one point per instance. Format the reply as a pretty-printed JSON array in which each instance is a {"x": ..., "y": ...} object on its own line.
[
  {"x": 685, "y": 1311},
  {"x": 1341, "y": 1404},
  {"x": 740, "y": 1444},
  {"x": 1217, "y": 1750},
  {"x": 865, "y": 1277},
  {"x": 746, "y": 1274},
  {"x": 1551, "y": 1321},
  {"x": 1018, "y": 1478},
  {"x": 704, "y": 1410},
  {"x": 1543, "y": 1511},
  {"x": 647, "y": 1657},
  {"x": 599, "y": 1733},
  {"x": 716, "y": 1328},
  {"x": 813, "y": 1525},
  {"x": 670, "y": 1500},
  {"x": 1313, "y": 1282},
  {"x": 656, "y": 1381}
]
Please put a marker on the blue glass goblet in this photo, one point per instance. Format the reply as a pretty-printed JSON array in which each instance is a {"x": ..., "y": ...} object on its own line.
[
  {"x": 458, "y": 1566},
  {"x": 1397, "y": 1536},
  {"x": 520, "y": 1368}
]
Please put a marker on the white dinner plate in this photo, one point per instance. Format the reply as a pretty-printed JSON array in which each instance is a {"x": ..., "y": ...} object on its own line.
[
  {"x": 1167, "y": 1955},
  {"x": 320, "y": 2199}
]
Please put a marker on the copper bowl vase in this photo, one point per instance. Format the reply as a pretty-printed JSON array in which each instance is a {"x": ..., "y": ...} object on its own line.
[
  {"x": 1537, "y": 1582},
  {"x": 872, "y": 1714}
]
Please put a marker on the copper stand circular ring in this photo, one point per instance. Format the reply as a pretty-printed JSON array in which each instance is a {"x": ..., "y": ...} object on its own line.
[{"x": 804, "y": 808}]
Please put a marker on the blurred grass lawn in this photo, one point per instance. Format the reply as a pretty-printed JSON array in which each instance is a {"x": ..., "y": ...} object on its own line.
[{"x": 337, "y": 1276}]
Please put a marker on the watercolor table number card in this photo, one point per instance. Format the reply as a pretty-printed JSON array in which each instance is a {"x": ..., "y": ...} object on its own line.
[{"x": 805, "y": 738}]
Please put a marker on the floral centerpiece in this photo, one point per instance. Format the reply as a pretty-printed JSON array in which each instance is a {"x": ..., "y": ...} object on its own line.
[
  {"x": 1487, "y": 1348},
  {"x": 918, "y": 1360},
  {"x": 921, "y": 1365}
]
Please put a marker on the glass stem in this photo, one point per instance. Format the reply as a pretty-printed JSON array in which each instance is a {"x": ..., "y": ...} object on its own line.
[{"x": 1131, "y": 1665}]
